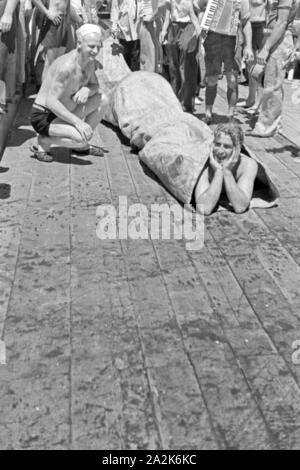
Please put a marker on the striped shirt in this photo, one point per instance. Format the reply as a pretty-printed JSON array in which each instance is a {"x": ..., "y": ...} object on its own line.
[{"x": 146, "y": 9}]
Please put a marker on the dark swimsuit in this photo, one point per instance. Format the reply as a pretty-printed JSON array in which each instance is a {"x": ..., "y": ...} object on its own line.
[{"x": 41, "y": 119}]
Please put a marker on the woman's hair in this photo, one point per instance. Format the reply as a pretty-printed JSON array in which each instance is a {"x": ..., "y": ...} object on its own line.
[{"x": 232, "y": 129}]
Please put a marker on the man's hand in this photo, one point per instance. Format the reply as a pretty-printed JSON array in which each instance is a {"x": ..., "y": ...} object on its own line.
[
  {"x": 85, "y": 130},
  {"x": 248, "y": 54},
  {"x": 262, "y": 56},
  {"x": 82, "y": 95},
  {"x": 5, "y": 23},
  {"x": 54, "y": 17}
]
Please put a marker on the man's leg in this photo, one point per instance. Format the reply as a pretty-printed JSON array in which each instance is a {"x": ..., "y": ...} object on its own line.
[
  {"x": 210, "y": 95},
  {"x": 272, "y": 98},
  {"x": 213, "y": 65},
  {"x": 147, "y": 54},
  {"x": 173, "y": 59},
  {"x": 188, "y": 67},
  {"x": 232, "y": 92},
  {"x": 62, "y": 134},
  {"x": 231, "y": 69}
]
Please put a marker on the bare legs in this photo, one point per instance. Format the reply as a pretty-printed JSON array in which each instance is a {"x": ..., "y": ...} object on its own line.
[
  {"x": 211, "y": 93},
  {"x": 62, "y": 134}
]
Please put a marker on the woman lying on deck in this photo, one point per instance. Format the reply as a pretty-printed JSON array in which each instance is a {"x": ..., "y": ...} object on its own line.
[
  {"x": 227, "y": 172},
  {"x": 191, "y": 162}
]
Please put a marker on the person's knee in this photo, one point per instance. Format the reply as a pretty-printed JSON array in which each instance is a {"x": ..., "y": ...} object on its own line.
[
  {"x": 231, "y": 80},
  {"x": 211, "y": 81}
]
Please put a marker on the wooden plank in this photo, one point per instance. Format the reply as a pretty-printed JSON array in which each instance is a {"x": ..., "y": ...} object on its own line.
[
  {"x": 278, "y": 396},
  {"x": 116, "y": 409},
  {"x": 37, "y": 325},
  {"x": 236, "y": 416},
  {"x": 193, "y": 308},
  {"x": 18, "y": 179}
]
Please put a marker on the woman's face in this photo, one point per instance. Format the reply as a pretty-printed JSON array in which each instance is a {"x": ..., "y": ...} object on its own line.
[{"x": 222, "y": 148}]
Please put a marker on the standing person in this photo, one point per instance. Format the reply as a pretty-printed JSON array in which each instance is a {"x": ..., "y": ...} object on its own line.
[
  {"x": 53, "y": 37},
  {"x": 220, "y": 47},
  {"x": 68, "y": 106},
  {"x": 273, "y": 59},
  {"x": 8, "y": 51},
  {"x": 150, "y": 27},
  {"x": 183, "y": 29},
  {"x": 258, "y": 24},
  {"x": 125, "y": 20}
]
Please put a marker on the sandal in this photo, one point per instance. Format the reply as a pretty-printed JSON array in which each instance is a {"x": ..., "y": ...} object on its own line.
[
  {"x": 92, "y": 150},
  {"x": 40, "y": 155}
]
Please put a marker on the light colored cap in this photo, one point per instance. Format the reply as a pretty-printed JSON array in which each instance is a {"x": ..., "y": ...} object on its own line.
[{"x": 87, "y": 29}]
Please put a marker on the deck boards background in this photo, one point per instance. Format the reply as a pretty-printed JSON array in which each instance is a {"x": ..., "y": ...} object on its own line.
[{"x": 141, "y": 344}]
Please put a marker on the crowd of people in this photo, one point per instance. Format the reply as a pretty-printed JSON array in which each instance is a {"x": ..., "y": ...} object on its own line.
[{"x": 191, "y": 43}]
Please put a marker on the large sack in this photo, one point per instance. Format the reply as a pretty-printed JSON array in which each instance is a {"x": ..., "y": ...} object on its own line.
[{"x": 173, "y": 144}]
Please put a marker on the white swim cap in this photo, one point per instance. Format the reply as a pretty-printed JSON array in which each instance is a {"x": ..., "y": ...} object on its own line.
[{"x": 87, "y": 29}]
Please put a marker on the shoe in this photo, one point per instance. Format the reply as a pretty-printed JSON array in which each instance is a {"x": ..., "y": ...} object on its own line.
[
  {"x": 41, "y": 156},
  {"x": 92, "y": 150},
  {"x": 244, "y": 104}
]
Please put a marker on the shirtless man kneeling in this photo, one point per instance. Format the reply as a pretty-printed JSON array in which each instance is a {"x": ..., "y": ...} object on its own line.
[
  {"x": 227, "y": 172},
  {"x": 69, "y": 104}
]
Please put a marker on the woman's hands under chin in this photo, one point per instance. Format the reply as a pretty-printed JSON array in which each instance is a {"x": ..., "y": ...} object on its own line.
[{"x": 214, "y": 164}]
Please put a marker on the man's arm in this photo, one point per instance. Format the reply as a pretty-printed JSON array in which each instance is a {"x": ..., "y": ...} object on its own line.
[
  {"x": 247, "y": 30},
  {"x": 54, "y": 17},
  {"x": 56, "y": 90},
  {"x": 240, "y": 193},
  {"x": 7, "y": 17},
  {"x": 194, "y": 18},
  {"x": 278, "y": 30},
  {"x": 114, "y": 15},
  {"x": 166, "y": 23}
]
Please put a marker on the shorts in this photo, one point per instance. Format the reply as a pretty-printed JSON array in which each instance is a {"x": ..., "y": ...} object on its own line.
[
  {"x": 41, "y": 119},
  {"x": 219, "y": 49},
  {"x": 257, "y": 35},
  {"x": 52, "y": 36}
]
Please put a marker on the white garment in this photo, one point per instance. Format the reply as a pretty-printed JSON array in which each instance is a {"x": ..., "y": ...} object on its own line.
[
  {"x": 77, "y": 5},
  {"x": 125, "y": 18},
  {"x": 180, "y": 11},
  {"x": 146, "y": 9}
]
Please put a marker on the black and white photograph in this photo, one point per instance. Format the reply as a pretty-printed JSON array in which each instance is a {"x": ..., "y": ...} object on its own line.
[{"x": 149, "y": 227}]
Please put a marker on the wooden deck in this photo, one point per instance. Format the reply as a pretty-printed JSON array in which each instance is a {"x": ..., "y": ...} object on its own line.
[{"x": 141, "y": 344}]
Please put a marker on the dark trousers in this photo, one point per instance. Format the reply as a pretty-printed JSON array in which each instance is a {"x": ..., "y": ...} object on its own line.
[
  {"x": 183, "y": 68},
  {"x": 131, "y": 53}
]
